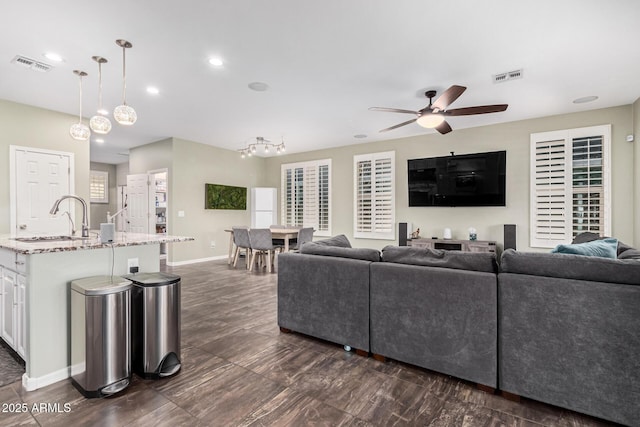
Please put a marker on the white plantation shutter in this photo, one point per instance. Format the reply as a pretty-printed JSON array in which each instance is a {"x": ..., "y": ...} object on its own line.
[
  {"x": 374, "y": 210},
  {"x": 305, "y": 195},
  {"x": 570, "y": 184},
  {"x": 99, "y": 187}
]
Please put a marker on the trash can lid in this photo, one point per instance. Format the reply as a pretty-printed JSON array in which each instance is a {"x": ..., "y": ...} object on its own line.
[
  {"x": 100, "y": 285},
  {"x": 152, "y": 279}
]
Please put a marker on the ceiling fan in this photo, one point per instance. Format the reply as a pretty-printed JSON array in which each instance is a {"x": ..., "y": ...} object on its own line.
[{"x": 433, "y": 115}]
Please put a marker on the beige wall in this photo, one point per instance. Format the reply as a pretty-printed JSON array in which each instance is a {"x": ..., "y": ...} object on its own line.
[
  {"x": 98, "y": 211},
  {"x": 636, "y": 170},
  {"x": 195, "y": 165},
  {"x": 512, "y": 137},
  {"x": 28, "y": 126}
]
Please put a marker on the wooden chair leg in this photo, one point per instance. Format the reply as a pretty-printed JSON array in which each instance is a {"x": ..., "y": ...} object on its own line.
[
  {"x": 253, "y": 260},
  {"x": 269, "y": 261},
  {"x": 236, "y": 255}
]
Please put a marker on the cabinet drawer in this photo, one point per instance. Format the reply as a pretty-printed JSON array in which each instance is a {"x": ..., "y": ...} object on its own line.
[
  {"x": 21, "y": 263},
  {"x": 8, "y": 258}
]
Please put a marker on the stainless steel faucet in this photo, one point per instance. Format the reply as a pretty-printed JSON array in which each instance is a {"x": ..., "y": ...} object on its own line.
[{"x": 85, "y": 224}]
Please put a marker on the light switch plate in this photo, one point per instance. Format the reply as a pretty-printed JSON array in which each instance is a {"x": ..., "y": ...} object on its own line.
[{"x": 181, "y": 214}]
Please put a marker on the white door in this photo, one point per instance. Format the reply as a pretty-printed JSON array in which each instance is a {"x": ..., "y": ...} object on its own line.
[
  {"x": 122, "y": 219},
  {"x": 141, "y": 198},
  {"x": 39, "y": 178}
]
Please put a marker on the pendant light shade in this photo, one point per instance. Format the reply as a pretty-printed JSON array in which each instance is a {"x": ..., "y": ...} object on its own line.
[
  {"x": 124, "y": 114},
  {"x": 99, "y": 123},
  {"x": 79, "y": 131}
]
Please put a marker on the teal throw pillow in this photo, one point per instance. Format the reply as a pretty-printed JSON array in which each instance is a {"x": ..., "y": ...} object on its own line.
[{"x": 605, "y": 248}]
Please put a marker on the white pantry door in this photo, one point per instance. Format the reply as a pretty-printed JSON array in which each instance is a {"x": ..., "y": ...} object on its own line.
[
  {"x": 141, "y": 199},
  {"x": 39, "y": 178}
]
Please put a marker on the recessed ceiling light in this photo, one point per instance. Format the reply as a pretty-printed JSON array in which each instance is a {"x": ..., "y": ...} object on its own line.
[
  {"x": 585, "y": 99},
  {"x": 53, "y": 57},
  {"x": 360, "y": 136},
  {"x": 99, "y": 140},
  {"x": 216, "y": 62},
  {"x": 153, "y": 90},
  {"x": 258, "y": 86}
]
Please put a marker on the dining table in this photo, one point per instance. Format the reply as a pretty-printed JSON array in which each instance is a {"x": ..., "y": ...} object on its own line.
[{"x": 284, "y": 233}]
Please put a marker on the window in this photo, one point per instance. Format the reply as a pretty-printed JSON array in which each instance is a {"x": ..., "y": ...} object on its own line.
[
  {"x": 570, "y": 184},
  {"x": 99, "y": 187},
  {"x": 374, "y": 210},
  {"x": 306, "y": 195}
]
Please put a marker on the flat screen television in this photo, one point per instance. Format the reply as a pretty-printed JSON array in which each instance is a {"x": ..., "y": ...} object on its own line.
[{"x": 458, "y": 180}]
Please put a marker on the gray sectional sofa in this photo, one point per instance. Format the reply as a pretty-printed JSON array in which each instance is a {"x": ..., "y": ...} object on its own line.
[
  {"x": 569, "y": 332},
  {"x": 561, "y": 329}
]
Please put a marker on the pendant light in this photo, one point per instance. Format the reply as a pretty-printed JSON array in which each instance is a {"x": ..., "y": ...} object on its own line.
[
  {"x": 99, "y": 123},
  {"x": 79, "y": 131},
  {"x": 124, "y": 114}
]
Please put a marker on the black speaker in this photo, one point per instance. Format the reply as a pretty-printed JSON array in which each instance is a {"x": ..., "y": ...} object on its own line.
[
  {"x": 402, "y": 234},
  {"x": 509, "y": 236}
]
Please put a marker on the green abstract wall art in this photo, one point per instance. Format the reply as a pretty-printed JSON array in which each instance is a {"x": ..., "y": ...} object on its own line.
[{"x": 225, "y": 197}]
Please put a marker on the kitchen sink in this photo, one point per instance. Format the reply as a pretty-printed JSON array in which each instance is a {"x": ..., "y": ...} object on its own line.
[{"x": 45, "y": 239}]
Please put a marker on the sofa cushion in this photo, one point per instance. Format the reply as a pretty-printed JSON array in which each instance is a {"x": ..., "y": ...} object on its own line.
[
  {"x": 569, "y": 266},
  {"x": 339, "y": 241},
  {"x": 473, "y": 261},
  {"x": 366, "y": 254},
  {"x": 630, "y": 254},
  {"x": 588, "y": 236},
  {"x": 605, "y": 248}
]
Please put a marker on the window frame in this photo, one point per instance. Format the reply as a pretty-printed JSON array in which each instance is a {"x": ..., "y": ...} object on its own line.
[
  {"x": 377, "y": 231},
  {"x": 308, "y": 210},
  {"x": 104, "y": 177},
  {"x": 563, "y": 186}
]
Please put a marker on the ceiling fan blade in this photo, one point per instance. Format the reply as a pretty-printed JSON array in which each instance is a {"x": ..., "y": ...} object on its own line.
[
  {"x": 481, "y": 109},
  {"x": 399, "y": 125},
  {"x": 448, "y": 96},
  {"x": 392, "y": 110},
  {"x": 444, "y": 128}
]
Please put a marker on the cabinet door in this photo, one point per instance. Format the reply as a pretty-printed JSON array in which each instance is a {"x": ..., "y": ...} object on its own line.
[
  {"x": 8, "y": 303},
  {"x": 21, "y": 316}
]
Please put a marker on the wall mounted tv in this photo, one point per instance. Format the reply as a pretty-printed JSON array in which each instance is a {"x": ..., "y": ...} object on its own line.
[
  {"x": 218, "y": 196},
  {"x": 458, "y": 180}
]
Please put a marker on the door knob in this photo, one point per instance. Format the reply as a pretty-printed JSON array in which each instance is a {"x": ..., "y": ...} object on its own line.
[{"x": 23, "y": 226}]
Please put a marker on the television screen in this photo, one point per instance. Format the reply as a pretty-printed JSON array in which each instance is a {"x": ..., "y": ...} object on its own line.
[
  {"x": 225, "y": 197},
  {"x": 458, "y": 180}
]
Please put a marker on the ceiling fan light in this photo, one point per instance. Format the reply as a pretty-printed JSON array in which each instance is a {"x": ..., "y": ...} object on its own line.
[
  {"x": 430, "y": 121},
  {"x": 79, "y": 132},
  {"x": 125, "y": 115},
  {"x": 100, "y": 124}
]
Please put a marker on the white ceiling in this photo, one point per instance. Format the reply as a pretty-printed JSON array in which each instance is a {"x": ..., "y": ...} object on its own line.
[{"x": 326, "y": 62}]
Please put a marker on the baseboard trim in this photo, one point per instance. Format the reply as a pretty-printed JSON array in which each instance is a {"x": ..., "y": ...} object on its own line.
[
  {"x": 31, "y": 384},
  {"x": 195, "y": 261}
]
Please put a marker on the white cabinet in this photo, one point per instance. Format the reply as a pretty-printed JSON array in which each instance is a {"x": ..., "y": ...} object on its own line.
[
  {"x": 9, "y": 306},
  {"x": 13, "y": 297}
]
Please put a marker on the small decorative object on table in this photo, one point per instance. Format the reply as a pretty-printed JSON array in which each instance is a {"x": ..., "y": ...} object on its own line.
[
  {"x": 472, "y": 234},
  {"x": 416, "y": 234},
  {"x": 447, "y": 233}
]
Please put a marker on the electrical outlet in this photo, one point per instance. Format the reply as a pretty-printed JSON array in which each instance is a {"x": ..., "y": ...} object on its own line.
[
  {"x": 213, "y": 244},
  {"x": 132, "y": 265}
]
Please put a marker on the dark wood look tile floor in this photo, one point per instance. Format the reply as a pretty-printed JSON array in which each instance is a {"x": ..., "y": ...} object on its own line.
[{"x": 240, "y": 370}]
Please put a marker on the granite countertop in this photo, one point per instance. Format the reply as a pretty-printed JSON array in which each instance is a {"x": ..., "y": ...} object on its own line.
[{"x": 92, "y": 242}]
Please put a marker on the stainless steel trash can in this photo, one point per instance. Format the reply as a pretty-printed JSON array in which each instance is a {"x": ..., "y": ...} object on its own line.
[
  {"x": 155, "y": 324},
  {"x": 100, "y": 335}
]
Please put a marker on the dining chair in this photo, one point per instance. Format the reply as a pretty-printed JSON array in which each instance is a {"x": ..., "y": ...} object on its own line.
[
  {"x": 241, "y": 240},
  {"x": 304, "y": 235},
  {"x": 261, "y": 245}
]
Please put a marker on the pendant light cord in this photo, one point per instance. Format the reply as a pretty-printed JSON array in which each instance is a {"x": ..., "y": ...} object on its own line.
[
  {"x": 124, "y": 77},
  {"x": 80, "y": 113},
  {"x": 99, "y": 86}
]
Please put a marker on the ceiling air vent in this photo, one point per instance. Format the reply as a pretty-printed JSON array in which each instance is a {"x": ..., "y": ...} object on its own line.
[
  {"x": 511, "y": 75},
  {"x": 32, "y": 64}
]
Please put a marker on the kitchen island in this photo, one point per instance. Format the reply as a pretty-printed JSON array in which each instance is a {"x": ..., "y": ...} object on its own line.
[{"x": 35, "y": 276}]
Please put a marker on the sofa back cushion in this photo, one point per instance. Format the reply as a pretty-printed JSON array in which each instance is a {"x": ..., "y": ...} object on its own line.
[
  {"x": 365, "y": 254},
  {"x": 569, "y": 266},
  {"x": 340, "y": 241},
  {"x": 473, "y": 261}
]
